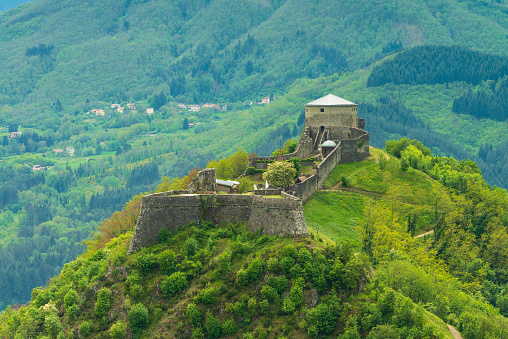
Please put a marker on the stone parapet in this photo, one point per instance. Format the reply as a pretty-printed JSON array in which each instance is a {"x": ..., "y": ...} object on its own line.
[{"x": 275, "y": 216}]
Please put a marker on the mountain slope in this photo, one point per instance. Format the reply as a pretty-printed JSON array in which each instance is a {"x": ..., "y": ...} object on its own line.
[{"x": 203, "y": 51}]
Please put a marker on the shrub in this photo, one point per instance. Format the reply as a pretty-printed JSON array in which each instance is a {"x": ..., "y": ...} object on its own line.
[
  {"x": 163, "y": 235},
  {"x": 138, "y": 317},
  {"x": 136, "y": 290},
  {"x": 173, "y": 284},
  {"x": 147, "y": 262},
  {"x": 296, "y": 271},
  {"x": 273, "y": 265},
  {"x": 194, "y": 315},
  {"x": 255, "y": 269},
  {"x": 320, "y": 320},
  {"x": 118, "y": 330},
  {"x": 213, "y": 325},
  {"x": 296, "y": 292},
  {"x": 103, "y": 303},
  {"x": 224, "y": 261},
  {"x": 190, "y": 247},
  {"x": 264, "y": 306},
  {"x": 208, "y": 295},
  {"x": 304, "y": 256},
  {"x": 345, "y": 181},
  {"x": 269, "y": 293},
  {"x": 252, "y": 304},
  {"x": 279, "y": 283},
  {"x": 52, "y": 324},
  {"x": 286, "y": 263},
  {"x": 73, "y": 312},
  {"x": 85, "y": 328},
  {"x": 229, "y": 327},
  {"x": 242, "y": 278},
  {"x": 71, "y": 298},
  {"x": 288, "y": 306},
  {"x": 167, "y": 261},
  {"x": 289, "y": 251}
]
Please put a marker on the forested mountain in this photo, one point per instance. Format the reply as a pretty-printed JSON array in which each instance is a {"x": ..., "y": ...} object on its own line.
[
  {"x": 8, "y": 4},
  {"x": 59, "y": 60},
  {"x": 197, "y": 51}
]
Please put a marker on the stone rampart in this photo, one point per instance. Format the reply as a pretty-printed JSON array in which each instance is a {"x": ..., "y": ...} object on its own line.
[
  {"x": 276, "y": 216},
  {"x": 205, "y": 181}
]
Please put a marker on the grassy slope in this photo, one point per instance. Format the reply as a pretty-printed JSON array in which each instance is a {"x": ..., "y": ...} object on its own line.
[{"x": 338, "y": 212}]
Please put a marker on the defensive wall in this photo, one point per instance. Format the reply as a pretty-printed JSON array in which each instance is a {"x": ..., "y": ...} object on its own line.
[
  {"x": 353, "y": 150},
  {"x": 174, "y": 209}
]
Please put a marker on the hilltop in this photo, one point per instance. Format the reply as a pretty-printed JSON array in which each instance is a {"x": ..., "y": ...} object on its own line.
[{"x": 229, "y": 282}]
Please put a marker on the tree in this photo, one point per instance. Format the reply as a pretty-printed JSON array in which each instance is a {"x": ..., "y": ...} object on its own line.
[
  {"x": 138, "y": 317},
  {"x": 280, "y": 174},
  {"x": 103, "y": 303},
  {"x": 185, "y": 125}
]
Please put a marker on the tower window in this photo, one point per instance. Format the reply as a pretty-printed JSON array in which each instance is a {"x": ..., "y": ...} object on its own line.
[{"x": 322, "y": 109}]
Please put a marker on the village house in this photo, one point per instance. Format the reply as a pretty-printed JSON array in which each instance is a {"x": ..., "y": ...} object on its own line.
[
  {"x": 15, "y": 134},
  {"x": 194, "y": 108},
  {"x": 70, "y": 150},
  {"x": 120, "y": 109},
  {"x": 59, "y": 150},
  {"x": 131, "y": 106},
  {"x": 182, "y": 106},
  {"x": 115, "y": 106},
  {"x": 266, "y": 100},
  {"x": 98, "y": 112},
  {"x": 149, "y": 110}
]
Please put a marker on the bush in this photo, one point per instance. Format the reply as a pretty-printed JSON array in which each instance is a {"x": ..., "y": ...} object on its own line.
[
  {"x": 207, "y": 296},
  {"x": 103, "y": 303},
  {"x": 167, "y": 261},
  {"x": 138, "y": 317},
  {"x": 73, "y": 312},
  {"x": 252, "y": 171},
  {"x": 245, "y": 185},
  {"x": 52, "y": 324},
  {"x": 173, "y": 284},
  {"x": 118, "y": 330},
  {"x": 190, "y": 247},
  {"x": 213, "y": 325},
  {"x": 286, "y": 263},
  {"x": 288, "y": 306},
  {"x": 147, "y": 262},
  {"x": 279, "y": 283},
  {"x": 71, "y": 298},
  {"x": 269, "y": 293},
  {"x": 304, "y": 256},
  {"x": 85, "y": 328},
  {"x": 194, "y": 315},
  {"x": 264, "y": 306},
  {"x": 273, "y": 265},
  {"x": 345, "y": 181},
  {"x": 224, "y": 261},
  {"x": 320, "y": 320},
  {"x": 296, "y": 292},
  {"x": 229, "y": 327},
  {"x": 163, "y": 235}
]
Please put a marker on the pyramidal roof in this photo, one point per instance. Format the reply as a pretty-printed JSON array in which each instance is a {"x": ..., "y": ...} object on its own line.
[{"x": 330, "y": 100}]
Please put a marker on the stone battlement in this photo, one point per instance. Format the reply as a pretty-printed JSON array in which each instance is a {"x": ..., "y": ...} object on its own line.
[{"x": 175, "y": 209}]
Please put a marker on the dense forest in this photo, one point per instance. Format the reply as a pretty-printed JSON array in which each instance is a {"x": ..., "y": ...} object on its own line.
[{"x": 439, "y": 65}]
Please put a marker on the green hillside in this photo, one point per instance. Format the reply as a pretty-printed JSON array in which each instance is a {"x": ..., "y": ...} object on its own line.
[
  {"x": 363, "y": 275},
  {"x": 129, "y": 50}
]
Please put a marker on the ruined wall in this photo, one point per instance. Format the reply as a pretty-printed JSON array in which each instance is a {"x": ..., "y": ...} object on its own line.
[
  {"x": 205, "y": 181},
  {"x": 166, "y": 210}
]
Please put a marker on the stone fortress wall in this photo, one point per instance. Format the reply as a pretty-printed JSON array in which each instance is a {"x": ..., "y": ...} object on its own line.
[
  {"x": 274, "y": 216},
  {"x": 175, "y": 209}
]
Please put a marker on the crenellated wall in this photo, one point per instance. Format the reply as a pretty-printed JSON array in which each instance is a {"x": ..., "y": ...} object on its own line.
[{"x": 276, "y": 216}]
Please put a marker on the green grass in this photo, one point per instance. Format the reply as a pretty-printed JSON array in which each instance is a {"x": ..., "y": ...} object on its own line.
[{"x": 335, "y": 215}]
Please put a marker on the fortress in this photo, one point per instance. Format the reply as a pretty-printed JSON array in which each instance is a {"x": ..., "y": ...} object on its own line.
[{"x": 333, "y": 133}]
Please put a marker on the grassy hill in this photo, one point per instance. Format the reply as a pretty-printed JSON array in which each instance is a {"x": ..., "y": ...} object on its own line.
[{"x": 227, "y": 282}]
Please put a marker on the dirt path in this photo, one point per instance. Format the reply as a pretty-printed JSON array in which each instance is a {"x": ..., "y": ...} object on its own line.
[
  {"x": 424, "y": 234},
  {"x": 454, "y": 332}
]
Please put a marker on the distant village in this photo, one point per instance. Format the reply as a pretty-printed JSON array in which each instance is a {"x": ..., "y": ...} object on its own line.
[
  {"x": 69, "y": 151},
  {"x": 183, "y": 107}
]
